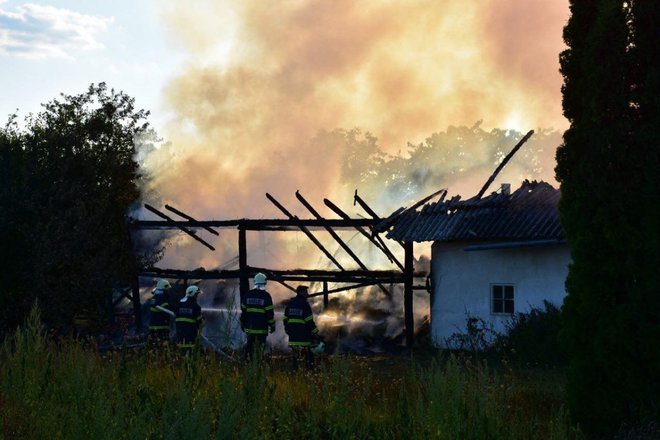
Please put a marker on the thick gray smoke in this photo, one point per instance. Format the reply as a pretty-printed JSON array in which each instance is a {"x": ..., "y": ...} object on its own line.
[{"x": 270, "y": 95}]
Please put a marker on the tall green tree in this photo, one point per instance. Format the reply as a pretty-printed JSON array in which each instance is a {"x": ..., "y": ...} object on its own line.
[
  {"x": 608, "y": 168},
  {"x": 67, "y": 179}
]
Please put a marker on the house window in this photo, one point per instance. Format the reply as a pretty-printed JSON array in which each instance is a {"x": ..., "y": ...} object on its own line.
[{"x": 501, "y": 299}]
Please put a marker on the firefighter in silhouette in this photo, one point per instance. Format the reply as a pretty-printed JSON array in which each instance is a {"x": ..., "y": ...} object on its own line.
[
  {"x": 257, "y": 316},
  {"x": 159, "y": 313},
  {"x": 299, "y": 325},
  {"x": 188, "y": 319}
]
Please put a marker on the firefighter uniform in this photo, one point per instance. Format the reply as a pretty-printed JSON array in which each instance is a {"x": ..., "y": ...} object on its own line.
[
  {"x": 257, "y": 317},
  {"x": 159, "y": 320},
  {"x": 299, "y": 325},
  {"x": 188, "y": 323}
]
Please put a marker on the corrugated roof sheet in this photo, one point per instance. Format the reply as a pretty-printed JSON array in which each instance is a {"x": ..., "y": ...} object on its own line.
[{"x": 529, "y": 213}]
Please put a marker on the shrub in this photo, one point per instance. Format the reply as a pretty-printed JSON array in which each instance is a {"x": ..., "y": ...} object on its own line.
[{"x": 533, "y": 337}]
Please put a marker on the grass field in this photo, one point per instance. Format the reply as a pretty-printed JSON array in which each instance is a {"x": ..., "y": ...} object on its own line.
[{"x": 64, "y": 390}]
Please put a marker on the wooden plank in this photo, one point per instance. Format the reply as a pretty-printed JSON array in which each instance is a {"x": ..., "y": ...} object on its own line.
[
  {"x": 361, "y": 230},
  {"x": 243, "y": 274},
  {"x": 255, "y": 224},
  {"x": 408, "y": 294},
  {"x": 305, "y": 231},
  {"x": 504, "y": 162},
  {"x": 184, "y": 229},
  {"x": 186, "y": 216}
]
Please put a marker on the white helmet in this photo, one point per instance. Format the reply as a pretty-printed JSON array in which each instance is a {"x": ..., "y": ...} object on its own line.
[
  {"x": 260, "y": 279},
  {"x": 163, "y": 284},
  {"x": 191, "y": 291}
]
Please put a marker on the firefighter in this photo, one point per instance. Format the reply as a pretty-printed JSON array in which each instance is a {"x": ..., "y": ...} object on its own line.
[
  {"x": 257, "y": 316},
  {"x": 160, "y": 312},
  {"x": 188, "y": 319},
  {"x": 299, "y": 325}
]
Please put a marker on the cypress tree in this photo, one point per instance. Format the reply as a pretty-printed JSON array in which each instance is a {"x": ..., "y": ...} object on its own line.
[{"x": 608, "y": 169}]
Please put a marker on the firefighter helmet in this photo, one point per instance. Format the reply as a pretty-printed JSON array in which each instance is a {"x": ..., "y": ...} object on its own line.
[
  {"x": 192, "y": 291},
  {"x": 163, "y": 284},
  {"x": 260, "y": 279}
]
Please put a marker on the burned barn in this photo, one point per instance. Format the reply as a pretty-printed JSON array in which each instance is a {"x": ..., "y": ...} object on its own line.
[
  {"x": 336, "y": 280},
  {"x": 491, "y": 256}
]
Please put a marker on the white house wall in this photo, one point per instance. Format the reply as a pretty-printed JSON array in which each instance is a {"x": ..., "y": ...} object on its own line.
[{"x": 462, "y": 280}]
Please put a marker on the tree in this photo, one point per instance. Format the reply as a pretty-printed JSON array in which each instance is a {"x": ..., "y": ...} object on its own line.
[
  {"x": 67, "y": 180},
  {"x": 459, "y": 156},
  {"x": 609, "y": 167}
]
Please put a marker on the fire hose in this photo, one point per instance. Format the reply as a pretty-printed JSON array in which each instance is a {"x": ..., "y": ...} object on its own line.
[{"x": 207, "y": 340}]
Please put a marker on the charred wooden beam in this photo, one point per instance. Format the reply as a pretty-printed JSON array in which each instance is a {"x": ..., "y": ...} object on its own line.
[
  {"x": 504, "y": 162},
  {"x": 389, "y": 221},
  {"x": 338, "y": 239},
  {"x": 331, "y": 231},
  {"x": 364, "y": 206},
  {"x": 184, "y": 229},
  {"x": 373, "y": 214},
  {"x": 325, "y": 292},
  {"x": 297, "y": 275},
  {"x": 361, "y": 230},
  {"x": 186, "y": 216},
  {"x": 279, "y": 224},
  {"x": 419, "y": 203},
  {"x": 408, "y": 294},
  {"x": 305, "y": 231},
  {"x": 291, "y": 288},
  {"x": 243, "y": 273}
]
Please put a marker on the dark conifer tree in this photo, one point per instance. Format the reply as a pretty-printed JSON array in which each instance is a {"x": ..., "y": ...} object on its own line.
[{"x": 608, "y": 169}]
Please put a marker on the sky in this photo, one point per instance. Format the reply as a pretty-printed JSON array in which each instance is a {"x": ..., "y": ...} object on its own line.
[
  {"x": 240, "y": 89},
  {"x": 53, "y": 47}
]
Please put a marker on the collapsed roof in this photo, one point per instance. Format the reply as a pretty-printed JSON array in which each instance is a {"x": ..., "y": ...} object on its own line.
[{"x": 529, "y": 213}]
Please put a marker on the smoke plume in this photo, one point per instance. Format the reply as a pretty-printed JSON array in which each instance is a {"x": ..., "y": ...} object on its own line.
[{"x": 272, "y": 92}]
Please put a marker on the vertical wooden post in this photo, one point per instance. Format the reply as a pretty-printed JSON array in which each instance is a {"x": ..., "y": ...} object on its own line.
[
  {"x": 137, "y": 306},
  {"x": 244, "y": 282},
  {"x": 408, "y": 293},
  {"x": 325, "y": 295},
  {"x": 135, "y": 281}
]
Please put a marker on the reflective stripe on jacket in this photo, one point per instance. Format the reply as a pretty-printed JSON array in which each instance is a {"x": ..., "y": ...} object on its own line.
[
  {"x": 299, "y": 322},
  {"x": 188, "y": 322},
  {"x": 257, "y": 312},
  {"x": 159, "y": 320}
]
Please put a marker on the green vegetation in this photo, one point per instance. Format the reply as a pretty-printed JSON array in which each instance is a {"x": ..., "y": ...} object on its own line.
[
  {"x": 533, "y": 338},
  {"x": 68, "y": 176},
  {"x": 62, "y": 390},
  {"x": 609, "y": 169}
]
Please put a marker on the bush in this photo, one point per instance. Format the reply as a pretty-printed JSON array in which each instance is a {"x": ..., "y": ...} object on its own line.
[{"x": 533, "y": 338}]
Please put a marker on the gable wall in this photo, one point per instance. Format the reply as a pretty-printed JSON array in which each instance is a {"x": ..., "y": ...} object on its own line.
[{"x": 461, "y": 283}]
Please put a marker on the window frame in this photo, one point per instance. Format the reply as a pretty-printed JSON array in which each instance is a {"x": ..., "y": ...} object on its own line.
[{"x": 502, "y": 299}]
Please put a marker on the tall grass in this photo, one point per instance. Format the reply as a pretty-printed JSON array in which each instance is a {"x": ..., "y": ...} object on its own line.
[{"x": 61, "y": 390}]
